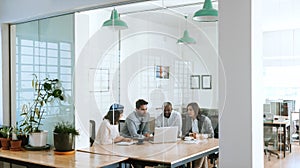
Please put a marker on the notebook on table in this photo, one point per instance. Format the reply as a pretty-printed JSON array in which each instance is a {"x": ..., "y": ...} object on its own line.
[{"x": 165, "y": 135}]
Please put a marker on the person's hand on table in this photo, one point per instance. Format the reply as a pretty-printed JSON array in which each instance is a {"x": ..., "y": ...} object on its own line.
[
  {"x": 127, "y": 139},
  {"x": 147, "y": 136}
]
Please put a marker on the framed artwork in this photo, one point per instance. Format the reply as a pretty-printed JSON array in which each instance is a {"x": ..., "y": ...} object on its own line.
[
  {"x": 195, "y": 82},
  {"x": 206, "y": 81},
  {"x": 162, "y": 72}
]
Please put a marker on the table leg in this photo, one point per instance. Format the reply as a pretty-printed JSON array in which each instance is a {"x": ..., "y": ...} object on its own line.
[
  {"x": 284, "y": 140},
  {"x": 289, "y": 142}
]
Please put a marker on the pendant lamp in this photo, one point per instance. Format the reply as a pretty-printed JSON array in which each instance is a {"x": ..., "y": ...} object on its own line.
[
  {"x": 207, "y": 13},
  {"x": 115, "y": 22},
  {"x": 186, "y": 39}
]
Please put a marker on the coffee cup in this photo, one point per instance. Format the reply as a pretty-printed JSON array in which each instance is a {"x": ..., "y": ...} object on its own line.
[{"x": 140, "y": 140}]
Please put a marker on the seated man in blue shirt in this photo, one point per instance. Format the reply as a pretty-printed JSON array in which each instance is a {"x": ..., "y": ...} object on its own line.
[{"x": 137, "y": 123}]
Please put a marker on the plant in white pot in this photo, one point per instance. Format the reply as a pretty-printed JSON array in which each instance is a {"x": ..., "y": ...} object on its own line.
[
  {"x": 64, "y": 136},
  {"x": 45, "y": 91}
]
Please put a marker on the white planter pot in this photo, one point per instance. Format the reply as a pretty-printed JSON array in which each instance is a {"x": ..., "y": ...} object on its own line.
[{"x": 38, "y": 139}]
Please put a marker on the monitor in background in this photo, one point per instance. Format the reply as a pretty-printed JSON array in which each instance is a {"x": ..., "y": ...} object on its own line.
[
  {"x": 268, "y": 116},
  {"x": 283, "y": 110},
  {"x": 291, "y": 105},
  {"x": 279, "y": 108},
  {"x": 267, "y": 108}
]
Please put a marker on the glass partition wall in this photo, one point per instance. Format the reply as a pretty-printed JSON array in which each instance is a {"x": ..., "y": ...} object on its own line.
[
  {"x": 44, "y": 48},
  {"x": 144, "y": 61},
  {"x": 99, "y": 66}
]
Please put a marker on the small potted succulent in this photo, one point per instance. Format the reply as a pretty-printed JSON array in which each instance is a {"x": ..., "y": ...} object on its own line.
[
  {"x": 64, "y": 136},
  {"x": 15, "y": 143},
  {"x": 5, "y": 133}
]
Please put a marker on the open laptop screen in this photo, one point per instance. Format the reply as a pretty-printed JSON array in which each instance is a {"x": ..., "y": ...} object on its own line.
[{"x": 165, "y": 134}]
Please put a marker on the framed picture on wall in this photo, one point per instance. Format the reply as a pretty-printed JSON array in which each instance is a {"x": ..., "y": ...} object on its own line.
[
  {"x": 162, "y": 72},
  {"x": 195, "y": 82},
  {"x": 206, "y": 81}
]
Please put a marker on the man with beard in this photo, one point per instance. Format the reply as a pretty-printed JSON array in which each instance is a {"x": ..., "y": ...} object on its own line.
[{"x": 169, "y": 118}]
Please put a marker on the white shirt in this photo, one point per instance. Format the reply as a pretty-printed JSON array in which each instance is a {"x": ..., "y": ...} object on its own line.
[
  {"x": 173, "y": 120},
  {"x": 106, "y": 133},
  {"x": 195, "y": 126}
]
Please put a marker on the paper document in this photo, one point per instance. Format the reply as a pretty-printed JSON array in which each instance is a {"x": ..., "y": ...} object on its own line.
[{"x": 125, "y": 143}]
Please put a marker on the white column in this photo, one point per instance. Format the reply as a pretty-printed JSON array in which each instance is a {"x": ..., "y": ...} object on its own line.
[
  {"x": 5, "y": 83},
  {"x": 241, "y": 124}
]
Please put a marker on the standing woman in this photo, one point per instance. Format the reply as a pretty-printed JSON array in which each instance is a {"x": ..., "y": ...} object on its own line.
[
  {"x": 108, "y": 131},
  {"x": 198, "y": 123}
]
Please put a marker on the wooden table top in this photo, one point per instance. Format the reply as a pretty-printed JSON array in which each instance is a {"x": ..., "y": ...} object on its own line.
[
  {"x": 167, "y": 153},
  {"x": 48, "y": 158}
]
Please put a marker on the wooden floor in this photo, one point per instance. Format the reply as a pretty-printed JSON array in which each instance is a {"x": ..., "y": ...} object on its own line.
[{"x": 291, "y": 160}]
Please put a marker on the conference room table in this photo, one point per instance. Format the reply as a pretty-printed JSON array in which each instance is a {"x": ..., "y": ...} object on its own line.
[
  {"x": 38, "y": 159},
  {"x": 171, "y": 154}
]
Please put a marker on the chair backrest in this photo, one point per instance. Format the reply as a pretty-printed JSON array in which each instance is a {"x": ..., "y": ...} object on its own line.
[
  {"x": 269, "y": 134},
  {"x": 151, "y": 124},
  {"x": 121, "y": 124},
  {"x": 92, "y": 132},
  {"x": 212, "y": 114}
]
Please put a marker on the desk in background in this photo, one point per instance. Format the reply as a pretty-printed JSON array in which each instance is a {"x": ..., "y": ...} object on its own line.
[
  {"x": 40, "y": 159},
  {"x": 286, "y": 125},
  {"x": 172, "y": 154}
]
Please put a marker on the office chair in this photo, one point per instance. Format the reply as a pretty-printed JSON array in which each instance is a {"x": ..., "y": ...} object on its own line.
[
  {"x": 121, "y": 125},
  {"x": 92, "y": 132},
  {"x": 269, "y": 139},
  {"x": 213, "y": 157}
]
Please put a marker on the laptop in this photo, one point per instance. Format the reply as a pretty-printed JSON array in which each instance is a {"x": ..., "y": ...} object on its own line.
[{"x": 165, "y": 135}]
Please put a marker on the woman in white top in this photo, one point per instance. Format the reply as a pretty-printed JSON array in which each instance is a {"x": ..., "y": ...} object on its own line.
[{"x": 108, "y": 131}]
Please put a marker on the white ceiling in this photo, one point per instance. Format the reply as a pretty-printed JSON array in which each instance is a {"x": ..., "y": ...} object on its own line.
[
  {"x": 173, "y": 10},
  {"x": 184, "y": 7}
]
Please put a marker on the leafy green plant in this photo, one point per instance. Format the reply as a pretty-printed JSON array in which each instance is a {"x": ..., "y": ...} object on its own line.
[
  {"x": 5, "y": 132},
  {"x": 65, "y": 127},
  {"x": 45, "y": 91}
]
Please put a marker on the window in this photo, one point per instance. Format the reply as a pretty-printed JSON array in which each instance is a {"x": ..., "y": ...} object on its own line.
[{"x": 45, "y": 48}]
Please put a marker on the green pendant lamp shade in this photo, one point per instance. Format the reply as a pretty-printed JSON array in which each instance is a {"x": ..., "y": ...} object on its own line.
[
  {"x": 207, "y": 13},
  {"x": 186, "y": 39},
  {"x": 115, "y": 22}
]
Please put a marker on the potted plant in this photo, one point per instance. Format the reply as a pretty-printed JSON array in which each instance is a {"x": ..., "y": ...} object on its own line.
[
  {"x": 64, "y": 136},
  {"x": 5, "y": 132},
  {"x": 23, "y": 137},
  {"x": 46, "y": 91},
  {"x": 15, "y": 143}
]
